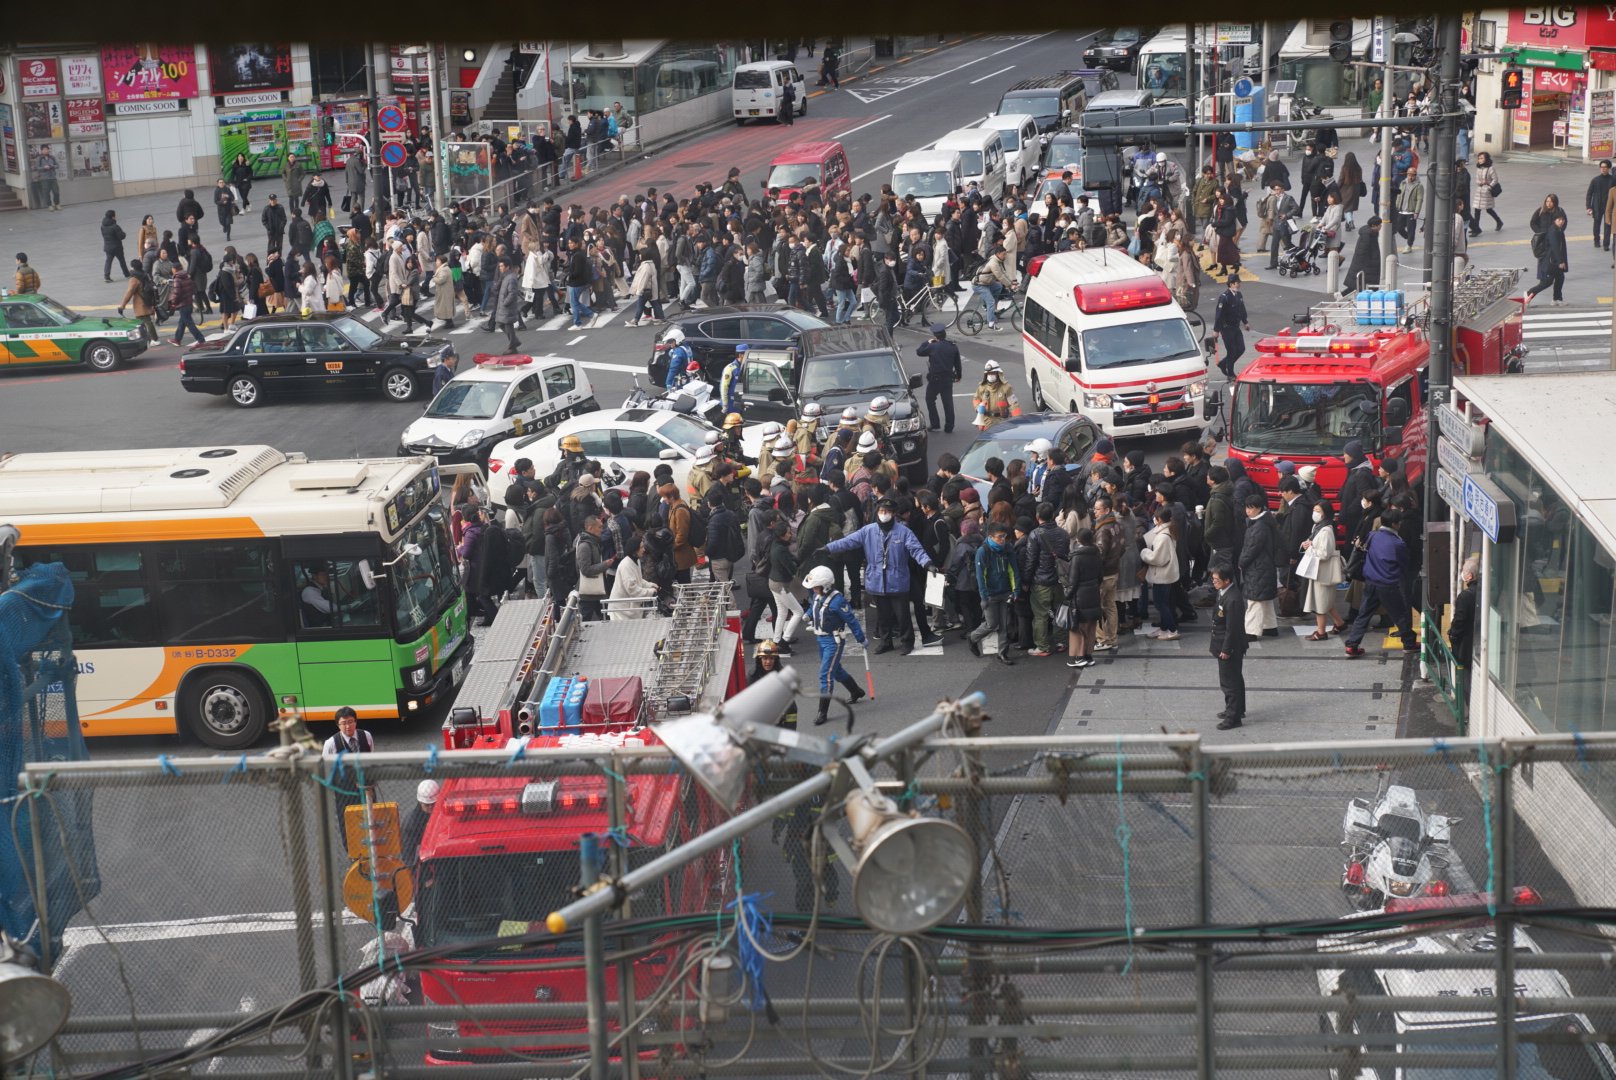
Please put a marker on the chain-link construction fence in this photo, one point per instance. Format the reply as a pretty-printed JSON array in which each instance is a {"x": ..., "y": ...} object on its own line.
[{"x": 1145, "y": 907}]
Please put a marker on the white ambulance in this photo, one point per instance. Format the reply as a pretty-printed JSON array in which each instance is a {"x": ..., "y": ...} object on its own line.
[{"x": 1103, "y": 337}]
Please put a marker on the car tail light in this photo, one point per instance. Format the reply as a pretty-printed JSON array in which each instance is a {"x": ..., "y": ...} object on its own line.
[
  {"x": 1437, "y": 888},
  {"x": 1035, "y": 264},
  {"x": 182, "y": 365},
  {"x": 1525, "y": 894},
  {"x": 1355, "y": 873},
  {"x": 494, "y": 465}
]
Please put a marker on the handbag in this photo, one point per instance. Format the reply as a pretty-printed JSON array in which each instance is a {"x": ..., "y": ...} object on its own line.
[
  {"x": 265, "y": 289},
  {"x": 592, "y": 585},
  {"x": 1288, "y": 603},
  {"x": 1308, "y": 565},
  {"x": 1063, "y": 617},
  {"x": 1496, "y": 188},
  {"x": 347, "y": 203},
  {"x": 249, "y": 310},
  {"x": 336, "y": 305}
]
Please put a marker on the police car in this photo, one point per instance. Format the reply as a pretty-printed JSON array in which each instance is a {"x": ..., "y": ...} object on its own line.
[
  {"x": 1561, "y": 1055},
  {"x": 496, "y": 398},
  {"x": 36, "y": 330}
]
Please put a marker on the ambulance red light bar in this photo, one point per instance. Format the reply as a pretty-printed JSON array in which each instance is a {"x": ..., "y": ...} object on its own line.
[
  {"x": 1320, "y": 344},
  {"x": 1521, "y": 896},
  {"x": 1108, "y": 296}
]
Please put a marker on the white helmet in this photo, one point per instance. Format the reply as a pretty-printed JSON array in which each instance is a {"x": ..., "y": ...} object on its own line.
[
  {"x": 704, "y": 454},
  {"x": 426, "y": 792},
  {"x": 819, "y": 577},
  {"x": 674, "y": 336},
  {"x": 880, "y": 406},
  {"x": 1041, "y": 447},
  {"x": 784, "y": 446},
  {"x": 812, "y": 411},
  {"x": 867, "y": 442},
  {"x": 1161, "y": 155},
  {"x": 711, "y": 438},
  {"x": 770, "y": 430},
  {"x": 850, "y": 415},
  {"x": 991, "y": 368}
]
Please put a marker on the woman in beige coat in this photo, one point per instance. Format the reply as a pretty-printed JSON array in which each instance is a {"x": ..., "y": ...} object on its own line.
[
  {"x": 1322, "y": 567},
  {"x": 443, "y": 292}
]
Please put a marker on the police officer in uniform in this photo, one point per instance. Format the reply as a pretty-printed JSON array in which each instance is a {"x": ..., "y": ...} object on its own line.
[
  {"x": 1229, "y": 644},
  {"x": 943, "y": 371},
  {"x": 1228, "y": 321},
  {"x": 830, "y": 616},
  {"x": 729, "y": 382}
]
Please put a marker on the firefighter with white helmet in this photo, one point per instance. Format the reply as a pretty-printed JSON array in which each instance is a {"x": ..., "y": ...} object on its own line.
[
  {"x": 702, "y": 475},
  {"x": 994, "y": 399},
  {"x": 830, "y": 616},
  {"x": 426, "y": 797},
  {"x": 878, "y": 418},
  {"x": 805, "y": 430},
  {"x": 850, "y": 420},
  {"x": 766, "y": 460}
]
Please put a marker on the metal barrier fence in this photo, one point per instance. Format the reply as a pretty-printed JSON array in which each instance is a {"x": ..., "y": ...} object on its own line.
[{"x": 1145, "y": 906}]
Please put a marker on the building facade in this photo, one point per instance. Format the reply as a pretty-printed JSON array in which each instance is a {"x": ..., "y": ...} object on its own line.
[{"x": 1568, "y": 57}]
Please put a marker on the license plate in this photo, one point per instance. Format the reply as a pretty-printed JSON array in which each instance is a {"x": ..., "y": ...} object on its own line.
[
  {"x": 1156, "y": 427},
  {"x": 753, "y": 112}
]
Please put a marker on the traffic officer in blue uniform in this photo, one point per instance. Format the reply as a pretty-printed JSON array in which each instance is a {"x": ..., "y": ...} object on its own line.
[
  {"x": 1227, "y": 322},
  {"x": 729, "y": 382},
  {"x": 830, "y": 615},
  {"x": 943, "y": 371},
  {"x": 679, "y": 358}
]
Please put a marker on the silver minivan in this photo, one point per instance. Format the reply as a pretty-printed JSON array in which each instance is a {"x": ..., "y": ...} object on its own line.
[{"x": 981, "y": 154}]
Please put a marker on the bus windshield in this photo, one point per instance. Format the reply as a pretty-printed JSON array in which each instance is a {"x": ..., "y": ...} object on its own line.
[
  {"x": 424, "y": 579},
  {"x": 1162, "y": 72},
  {"x": 1304, "y": 418}
]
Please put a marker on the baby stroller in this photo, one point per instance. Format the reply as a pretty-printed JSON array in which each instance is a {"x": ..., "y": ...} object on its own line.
[{"x": 1304, "y": 249}]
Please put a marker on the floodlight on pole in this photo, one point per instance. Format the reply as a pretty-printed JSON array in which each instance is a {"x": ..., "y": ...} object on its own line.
[
  {"x": 33, "y": 1007},
  {"x": 713, "y": 746},
  {"x": 912, "y": 871}
]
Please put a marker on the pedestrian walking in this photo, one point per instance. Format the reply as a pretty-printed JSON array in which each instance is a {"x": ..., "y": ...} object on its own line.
[
  {"x": 225, "y": 206},
  {"x": 241, "y": 178},
  {"x": 1549, "y": 245},
  {"x": 1386, "y": 562},
  {"x": 1410, "y": 207},
  {"x": 112, "y": 237},
  {"x": 1229, "y": 644},
  {"x": 273, "y": 219},
  {"x": 1488, "y": 189},
  {"x": 353, "y": 172},
  {"x": 1228, "y": 320},
  {"x": 830, "y": 617},
  {"x": 997, "y": 582},
  {"x": 182, "y": 299},
  {"x": 887, "y": 546},
  {"x": 1599, "y": 189},
  {"x": 508, "y": 303}
]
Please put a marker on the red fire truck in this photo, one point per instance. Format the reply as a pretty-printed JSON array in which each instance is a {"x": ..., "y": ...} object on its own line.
[
  {"x": 1308, "y": 392},
  {"x": 501, "y": 852}
]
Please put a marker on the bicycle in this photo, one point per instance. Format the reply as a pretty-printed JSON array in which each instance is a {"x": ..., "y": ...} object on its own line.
[
  {"x": 972, "y": 316},
  {"x": 916, "y": 305}
]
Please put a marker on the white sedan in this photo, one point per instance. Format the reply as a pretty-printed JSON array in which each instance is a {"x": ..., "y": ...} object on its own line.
[{"x": 630, "y": 440}]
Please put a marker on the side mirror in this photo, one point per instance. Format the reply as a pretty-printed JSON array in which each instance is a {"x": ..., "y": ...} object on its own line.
[
  {"x": 1066, "y": 114},
  {"x": 779, "y": 393},
  {"x": 1074, "y": 366},
  {"x": 367, "y": 576},
  {"x": 1396, "y": 412},
  {"x": 915, "y": 382},
  {"x": 1391, "y": 436},
  {"x": 669, "y": 454},
  {"x": 1213, "y": 405}
]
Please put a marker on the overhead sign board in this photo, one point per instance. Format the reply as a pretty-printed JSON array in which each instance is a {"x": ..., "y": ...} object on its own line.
[
  {"x": 1234, "y": 34},
  {"x": 1490, "y": 509},
  {"x": 1467, "y": 436},
  {"x": 1451, "y": 488},
  {"x": 1453, "y": 458}
]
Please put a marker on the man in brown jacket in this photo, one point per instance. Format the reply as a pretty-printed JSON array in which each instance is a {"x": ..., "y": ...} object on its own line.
[
  {"x": 684, "y": 556},
  {"x": 1108, "y": 540}
]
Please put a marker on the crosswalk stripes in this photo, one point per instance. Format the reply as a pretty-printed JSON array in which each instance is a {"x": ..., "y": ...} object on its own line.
[{"x": 1560, "y": 324}]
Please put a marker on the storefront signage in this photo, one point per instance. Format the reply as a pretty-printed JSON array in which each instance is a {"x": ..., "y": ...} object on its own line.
[
  {"x": 1555, "y": 80},
  {"x": 1453, "y": 458},
  {"x": 8, "y": 138},
  {"x": 236, "y": 68},
  {"x": 148, "y": 73},
  {"x": 260, "y": 97},
  {"x": 531, "y": 48},
  {"x": 1490, "y": 509},
  {"x": 145, "y": 108},
  {"x": 81, "y": 76},
  {"x": 85, "y": 118},
  {"x": 1451, "y": 488},
  {"x": 1569, "y": 61},
  {"x": 1466, "y": 436},
  {"x": 37, "y": 75}
]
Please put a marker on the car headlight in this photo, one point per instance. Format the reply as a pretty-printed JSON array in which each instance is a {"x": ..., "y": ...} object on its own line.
[
  {"x": 470, "y": 438},
  {"x": 905, "y": 427},
  {"x": 133, "y": 334},
  {"x": 1096, "y": 401},
  {"x": 1198, "y": 389},
  {"x": 1400, "y": 888}
]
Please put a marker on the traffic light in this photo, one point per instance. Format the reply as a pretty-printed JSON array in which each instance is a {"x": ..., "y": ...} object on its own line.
[
  {"x": 1341, "y": 41},
  {"x": 1514, "y": 88}
]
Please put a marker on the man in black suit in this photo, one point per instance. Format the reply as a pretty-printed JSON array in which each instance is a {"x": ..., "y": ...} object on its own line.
[{"x": 1229, "y": 644}]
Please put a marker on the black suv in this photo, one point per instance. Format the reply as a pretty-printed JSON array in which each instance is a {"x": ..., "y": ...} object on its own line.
[
  {"x": 1116, "y": 49},
  {"x": 1054, "y": 101},
  {"x": 325, "y": 351}
]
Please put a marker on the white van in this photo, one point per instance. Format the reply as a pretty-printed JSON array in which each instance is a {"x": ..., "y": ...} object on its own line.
[
  {"x": 1103, "y": 337},
  {"x": 931, "y": 176},
  {"x": 756, "y": 92},
  {"x": 981, "y": 153},
  {"x": 1018, "y": 135}
]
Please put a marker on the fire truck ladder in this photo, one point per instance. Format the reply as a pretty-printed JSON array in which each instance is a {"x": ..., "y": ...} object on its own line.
[
  {"x": 689, "y": 650},
  {"x": 1481, "y": 289}
]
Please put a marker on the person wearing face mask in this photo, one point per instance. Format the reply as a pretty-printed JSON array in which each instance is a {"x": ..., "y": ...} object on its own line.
[
  {"x": 884, "y": 543},
  {"x": 1321, "y": 569},
  {"x": 994, "y": 399}
]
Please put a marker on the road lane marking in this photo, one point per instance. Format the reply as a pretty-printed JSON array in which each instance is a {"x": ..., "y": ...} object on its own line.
[
  {"x": 861, "y": 127},
  {"x": 1001, "y": 71},
  {"x": 878, "y": 168},
  {"x": 881, "y": 93},
  {"x": 577, "y": 339},
  {"x": 599, "y": 366},
  {"x": 555, "y": 321},
  {"x": 606, "y": 318}
]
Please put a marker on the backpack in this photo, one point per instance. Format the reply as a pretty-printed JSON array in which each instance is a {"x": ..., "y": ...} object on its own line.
[
  {"x": 148, "y": 292},
  {"x": 658, "y": 368},
  {"x": 1540, "y": 245},
  {"x": 697, "y": 536}
]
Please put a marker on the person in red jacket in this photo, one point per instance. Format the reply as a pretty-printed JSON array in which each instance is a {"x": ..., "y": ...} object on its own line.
[{"x": 183, "y": 300}]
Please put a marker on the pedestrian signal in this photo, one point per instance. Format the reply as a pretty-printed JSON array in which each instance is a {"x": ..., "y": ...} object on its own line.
[{"x": 1514, "y": 88}]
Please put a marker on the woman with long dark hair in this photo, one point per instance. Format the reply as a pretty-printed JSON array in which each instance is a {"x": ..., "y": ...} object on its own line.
[
  {"x": 1083, "y": 600},
  {"x": 241, "y": 176}
]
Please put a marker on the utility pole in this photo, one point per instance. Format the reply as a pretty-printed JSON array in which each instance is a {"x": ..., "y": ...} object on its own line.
[
  {"x": 1440, "y": 331},
  {"x": 436, "y": 145},
  {"x": 1388, "y": 213},
  {"x": 374, "y": 141}
]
